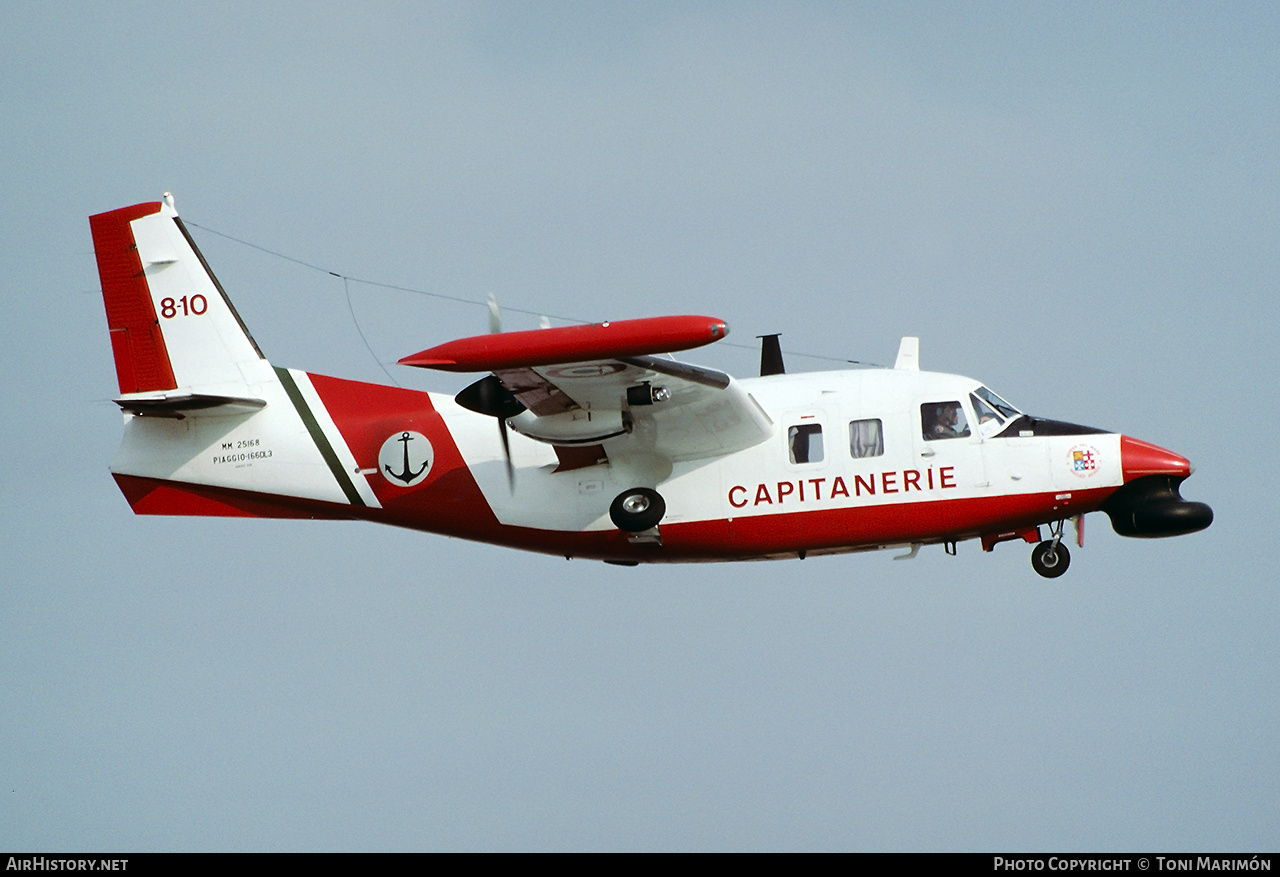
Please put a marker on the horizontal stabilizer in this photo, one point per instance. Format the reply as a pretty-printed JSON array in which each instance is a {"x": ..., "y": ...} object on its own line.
[{"x": 180, "y": 404}]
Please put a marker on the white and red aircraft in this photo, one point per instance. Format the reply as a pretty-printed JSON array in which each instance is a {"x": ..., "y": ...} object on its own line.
[{"x": 620, "y": 455}]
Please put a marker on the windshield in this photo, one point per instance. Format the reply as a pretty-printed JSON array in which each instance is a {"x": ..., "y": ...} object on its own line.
[{"x": 994, "y": 404}]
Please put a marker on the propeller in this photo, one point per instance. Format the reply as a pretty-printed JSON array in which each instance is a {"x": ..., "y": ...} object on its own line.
[{"x": 488, "y": 396}]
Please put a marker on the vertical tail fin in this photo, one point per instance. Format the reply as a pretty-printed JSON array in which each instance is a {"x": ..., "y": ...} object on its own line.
[
  {"x": 210, "y": 428},
  {"x": 172, "y": 326}
]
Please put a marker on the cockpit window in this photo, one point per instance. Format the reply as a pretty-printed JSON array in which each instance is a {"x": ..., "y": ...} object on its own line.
[
  {"x": 984, "y": 411},
  {"x": 1005, "y": 410},
  {"x": 943, "y": 420},
  {"x": 805, "y": 443},
  {"x": 989, "y": 422}
]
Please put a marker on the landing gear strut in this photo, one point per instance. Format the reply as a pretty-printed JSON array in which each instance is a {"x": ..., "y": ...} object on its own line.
[
  {"x": 637, "y": 509},
  {"x": 1051, "y": 558}
]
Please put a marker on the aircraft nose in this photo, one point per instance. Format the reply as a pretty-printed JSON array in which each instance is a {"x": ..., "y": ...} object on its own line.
[
  {"x": 1139, "y": 458},
  {"x": 1149, "y": 504}
]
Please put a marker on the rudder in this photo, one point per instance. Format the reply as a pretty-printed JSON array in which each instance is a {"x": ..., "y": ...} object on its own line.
[{"x": 142, "y": 362}]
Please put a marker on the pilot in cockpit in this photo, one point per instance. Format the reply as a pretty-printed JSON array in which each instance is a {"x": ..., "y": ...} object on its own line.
[{"x": 943, "y": 420}]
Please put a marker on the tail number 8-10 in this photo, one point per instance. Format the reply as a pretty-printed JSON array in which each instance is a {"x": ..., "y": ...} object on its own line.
[{"x": 190, "y": 307}]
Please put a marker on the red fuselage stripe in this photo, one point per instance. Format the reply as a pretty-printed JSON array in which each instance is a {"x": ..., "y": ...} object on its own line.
[{"x": 451, "y": 509}]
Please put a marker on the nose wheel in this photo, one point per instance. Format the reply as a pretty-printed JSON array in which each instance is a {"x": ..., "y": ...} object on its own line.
[
  {"x": 637, "y": 509},
  {"x": 1050, "y": 558}
]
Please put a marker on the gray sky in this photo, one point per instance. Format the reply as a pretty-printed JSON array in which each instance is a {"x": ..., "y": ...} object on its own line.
[{"x": 1075, "y": 203}]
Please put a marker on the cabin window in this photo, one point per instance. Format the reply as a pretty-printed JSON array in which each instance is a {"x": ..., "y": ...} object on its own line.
[
  {"x": 866, "y": 438},
  {"x": 943, "y": 420},
  {"x": 805, "y": 443}
]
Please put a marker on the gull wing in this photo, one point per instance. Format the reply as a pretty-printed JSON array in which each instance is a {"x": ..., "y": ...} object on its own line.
[{"x": 589, "y": 384}]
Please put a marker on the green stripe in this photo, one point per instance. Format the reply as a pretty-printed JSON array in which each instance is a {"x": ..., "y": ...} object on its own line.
[{"x": 318, "y": 436}]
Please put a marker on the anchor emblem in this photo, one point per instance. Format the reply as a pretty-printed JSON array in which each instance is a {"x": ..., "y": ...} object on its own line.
[{"x": 390, "y": 457}]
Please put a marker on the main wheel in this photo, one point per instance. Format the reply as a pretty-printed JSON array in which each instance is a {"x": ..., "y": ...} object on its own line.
[
  {"x": 1050, "y": 560},
  {"x": 637, "y": 509}
]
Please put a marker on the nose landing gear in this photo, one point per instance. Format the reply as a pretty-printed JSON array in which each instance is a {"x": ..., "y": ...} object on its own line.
[
  {"x": 1051, "y": 558},
  {"x": 637, "y": 509}
]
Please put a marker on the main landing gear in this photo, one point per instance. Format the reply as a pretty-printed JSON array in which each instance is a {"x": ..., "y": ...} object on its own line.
[
  {"x": 637, "y": 509},
  {"x": 1051, "y": 558}
]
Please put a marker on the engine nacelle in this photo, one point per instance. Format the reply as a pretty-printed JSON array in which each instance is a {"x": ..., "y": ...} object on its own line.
[{"x": 581, "y": 426}]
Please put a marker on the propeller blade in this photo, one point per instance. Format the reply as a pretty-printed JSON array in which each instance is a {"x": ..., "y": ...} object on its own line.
[
  {"x": 495, "y": 316},
  {"x": 506, "y": 450}
]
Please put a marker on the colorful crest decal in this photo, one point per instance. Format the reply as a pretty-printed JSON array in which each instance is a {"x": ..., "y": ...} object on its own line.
[
  {"x": 405, "y": 458},
  {"x": 1084, "y": 460}
]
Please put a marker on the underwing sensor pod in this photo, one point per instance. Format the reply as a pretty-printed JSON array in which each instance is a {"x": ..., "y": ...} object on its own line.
[{"x": 591, "y": 441}]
